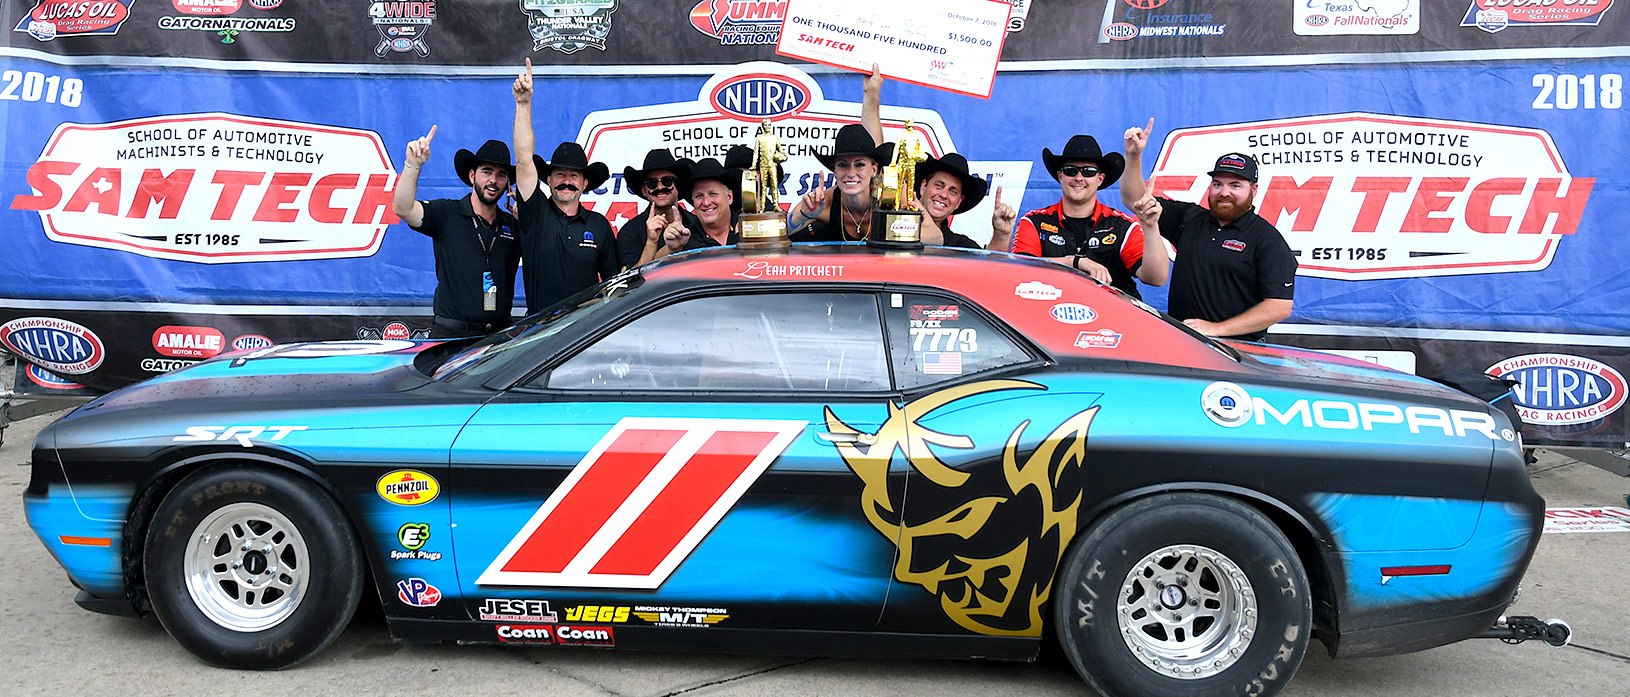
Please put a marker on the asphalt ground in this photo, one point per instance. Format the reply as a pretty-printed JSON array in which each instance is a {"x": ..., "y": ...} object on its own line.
[{"x": 52, "y": 647}]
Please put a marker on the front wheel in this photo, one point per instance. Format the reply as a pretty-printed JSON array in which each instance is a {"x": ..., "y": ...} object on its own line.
[
  {"x": 252, "y": 568},
  {"x": 1184, "y": 594}
]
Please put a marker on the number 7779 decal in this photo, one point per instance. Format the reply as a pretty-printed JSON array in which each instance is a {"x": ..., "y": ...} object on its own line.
[{"x": 640, "y": 502}]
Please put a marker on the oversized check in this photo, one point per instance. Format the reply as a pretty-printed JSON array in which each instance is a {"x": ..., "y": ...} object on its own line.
[{"x": 951, "y": 45}]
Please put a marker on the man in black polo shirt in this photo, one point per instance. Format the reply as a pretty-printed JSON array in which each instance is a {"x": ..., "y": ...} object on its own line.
[
  {"x": 1235, "y": 276},
  {"x": 473, "y": 240},
  {"x": 565, "y": 246},
  {"x": 657, "y": 181}
]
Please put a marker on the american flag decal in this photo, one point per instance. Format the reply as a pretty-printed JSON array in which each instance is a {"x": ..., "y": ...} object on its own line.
[
  {"x": 640, "y": 502},
  {"x": 942, "y": 363}
]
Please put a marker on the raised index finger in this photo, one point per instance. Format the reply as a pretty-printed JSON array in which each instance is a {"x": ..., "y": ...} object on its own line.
[
  {"x": 529, "y": 73},
  {"x": 431, "y": 135},
  {"x": 1146, "y": 131},
  {"x": 998, "y": 195}
]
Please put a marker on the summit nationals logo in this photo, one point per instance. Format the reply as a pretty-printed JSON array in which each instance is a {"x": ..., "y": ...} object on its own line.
[
  {"x": 640, "y": 502},
  {"x": 214, "y": 188},
  {"x": 740, "y": 22}
]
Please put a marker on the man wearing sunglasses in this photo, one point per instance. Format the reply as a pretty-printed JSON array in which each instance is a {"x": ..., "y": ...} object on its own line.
[
  {"x": 1088, "y": 236},
  {"x": 657, "y": 181}
]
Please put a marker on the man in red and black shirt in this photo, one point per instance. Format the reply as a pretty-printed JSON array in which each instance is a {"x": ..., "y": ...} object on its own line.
[{"x": 1089, "y": 236}]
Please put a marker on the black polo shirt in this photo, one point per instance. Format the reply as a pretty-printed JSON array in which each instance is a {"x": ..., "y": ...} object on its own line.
[
  {"x": 465, "y": 246},
  {"x": 957, "y": 239},
  {"x": 631, "y": 238},
  {"x": 817, "y": 231},
  {"x": 1224, "y": 270},
  {"x": 562, "y": 254}
]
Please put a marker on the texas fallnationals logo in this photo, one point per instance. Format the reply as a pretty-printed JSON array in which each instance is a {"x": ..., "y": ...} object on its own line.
[{"x": 639, "y": 502}]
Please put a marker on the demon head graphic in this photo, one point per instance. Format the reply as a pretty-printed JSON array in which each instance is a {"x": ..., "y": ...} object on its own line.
[{"x": 985, "y": 538}]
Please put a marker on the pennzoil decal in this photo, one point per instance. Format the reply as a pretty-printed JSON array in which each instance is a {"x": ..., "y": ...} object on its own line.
[
  {"x": 408, "y": 487},
  {"x": 990, "y": 554}
]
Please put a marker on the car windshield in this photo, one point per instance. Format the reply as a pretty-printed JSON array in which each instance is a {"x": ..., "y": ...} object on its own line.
[{"x": 504, "y": 346}]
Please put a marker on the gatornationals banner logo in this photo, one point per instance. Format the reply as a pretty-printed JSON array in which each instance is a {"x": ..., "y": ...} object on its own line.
[
  {"x": 214, "y": 188},
  {"x": 1367, "y": 196}
]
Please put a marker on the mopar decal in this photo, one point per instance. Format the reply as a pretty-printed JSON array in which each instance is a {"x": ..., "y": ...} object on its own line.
[{"x": 1230, "y": 405}]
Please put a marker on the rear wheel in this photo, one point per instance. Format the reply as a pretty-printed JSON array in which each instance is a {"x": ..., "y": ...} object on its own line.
[
  {"x": 252, "y": 568},
  {"x": 1184, "y": 594}
]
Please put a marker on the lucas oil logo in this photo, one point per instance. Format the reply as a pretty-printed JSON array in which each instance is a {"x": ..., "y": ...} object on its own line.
[
  {"x": 759, "y": 96},
  {"x": 1495, "y": 15},
  {"x": 408, "y": 487},
  {"x": 740, "y": 22},
  {"x": 54, "y": 344},
  {"x": 1556, "y": 389},
  {"x": 56, "y": 18}
]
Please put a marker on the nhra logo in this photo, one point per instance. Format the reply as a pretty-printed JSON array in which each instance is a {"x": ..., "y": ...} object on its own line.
[
  {"x": 57, "y": 345},
  {"x": 250, "y": 342},
  {"x": 1556, "y": 389},
  {"x": 1146, "y": 4},
  {"x": 1317, "y": 20},
  {"x": 188, "y": 342},
  {"x": 739, "y": 22},
  {"x": 265, "y": 4},
  {"x": 525, "y": 634},
  {"x": 408, "y": 487},
  {"x": 48, "y": 380},
  {"x": 759, "y": 96},
  {"x": 1073, "y": 313},
  {"x": 418, "y": 592},
  {"x": 1121, "y": 31},
  {"x": 207, "y": 7},
  {"x": 53, "y": 18}
]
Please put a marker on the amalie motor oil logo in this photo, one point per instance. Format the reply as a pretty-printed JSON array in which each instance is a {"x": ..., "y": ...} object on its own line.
[
  {"x": 54, "y": 344},
  {"x": 1557, "y": 389},
  {"x": 214, "y": 188},
  {"x": 408, "y": 487}
]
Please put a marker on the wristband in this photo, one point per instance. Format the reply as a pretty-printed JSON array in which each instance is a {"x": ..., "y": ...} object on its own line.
[{"x": 1075, "y": 262}]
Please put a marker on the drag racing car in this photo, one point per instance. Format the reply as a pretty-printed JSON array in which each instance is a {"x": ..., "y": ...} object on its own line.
[{"x": 833, "y": 450}]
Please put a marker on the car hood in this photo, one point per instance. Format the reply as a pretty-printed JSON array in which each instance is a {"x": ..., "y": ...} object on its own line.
[{"x": 1316, "y": 366}]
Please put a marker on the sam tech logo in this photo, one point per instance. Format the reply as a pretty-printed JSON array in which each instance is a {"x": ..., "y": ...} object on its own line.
[
  {"x": 51, "y": 19},
  {"x": 740, "y": 22},
  {"x": 402, "y": 26},
  {"x": 568, "y": 26}
]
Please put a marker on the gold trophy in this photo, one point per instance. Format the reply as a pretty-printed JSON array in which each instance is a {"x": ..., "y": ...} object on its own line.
[
  {"x": 898, "y": 223},
  {"x": 763, "y": 223}
]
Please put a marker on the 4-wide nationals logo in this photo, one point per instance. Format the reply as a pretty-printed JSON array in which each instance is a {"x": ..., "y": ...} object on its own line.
[
  {"x": 53, "y": 18},
  {"x": 214, "y": 188},
  {"x": 1365, "y": 196},
  {"x": 402, "y": 26},
  {"x": 1556, "y": 389}
]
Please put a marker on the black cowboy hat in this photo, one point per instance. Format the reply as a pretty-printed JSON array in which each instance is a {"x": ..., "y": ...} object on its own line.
[
  {"x": 1085, "y": 149},
  {"x": 973, "y": 188},
  {"x": 571, "y": 156},
  {"x": 660, "y": 158},
  {"x": 711, "y": 169},
  {"x": 854, "y": 140},
  {"x": 494, "y": 151},
  {"x": 738, "y": 157}
]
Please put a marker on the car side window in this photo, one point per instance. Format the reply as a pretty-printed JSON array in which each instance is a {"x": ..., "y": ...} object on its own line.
[
  {"x": 937, "y": 339},
  {"x": 762, "y": 341}
]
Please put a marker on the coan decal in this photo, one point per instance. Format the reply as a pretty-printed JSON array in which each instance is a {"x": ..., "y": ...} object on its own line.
[
  {"x": 1372, "y": 196},
  {"x": 408, "y": 488},
  {"x": 214, "y": 188},
  {"x": 639, "y": 502},
  {"x": 740, "y": 22},
  {"x": 51, "y": 19},
  {"x": 54, "y": 344},
  {"x": 1556, "y": 389},
  {"x": 991, "y": 552}
]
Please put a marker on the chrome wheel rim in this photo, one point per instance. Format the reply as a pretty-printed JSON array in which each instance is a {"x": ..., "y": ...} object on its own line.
[
  {"x": 1187, "y": 611},
  {"x": 247, "y": 567}
]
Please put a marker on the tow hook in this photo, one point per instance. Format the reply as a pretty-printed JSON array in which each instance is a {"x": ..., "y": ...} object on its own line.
[{"x": 1516, "y": 629}]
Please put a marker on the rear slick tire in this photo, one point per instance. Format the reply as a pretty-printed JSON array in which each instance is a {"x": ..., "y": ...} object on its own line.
[{"x": 1184, "y": 594}]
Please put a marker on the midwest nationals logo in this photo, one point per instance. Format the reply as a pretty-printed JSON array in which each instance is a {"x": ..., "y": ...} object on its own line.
[
  {"x": 640, "y": 502},
  {"x": 214, "y": 188}
]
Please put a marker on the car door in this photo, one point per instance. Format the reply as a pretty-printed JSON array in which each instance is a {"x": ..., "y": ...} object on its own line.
[{"x": 680, "y": 471}]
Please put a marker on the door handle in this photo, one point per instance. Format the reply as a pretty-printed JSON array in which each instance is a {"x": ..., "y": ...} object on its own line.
[{"x": 846, "y": 438}]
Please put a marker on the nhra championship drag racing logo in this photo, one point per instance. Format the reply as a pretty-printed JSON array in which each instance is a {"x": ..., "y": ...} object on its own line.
[
  {"x": 568, "y": 26},
  {"x": 740, "y": 22},
  {"x": 988, "y": 541},
  {"x": 1369, "y": 196},
  {"x": 214, "y": 188},
  {"x": 1556, "y": 389},
  {"x": 54, "y": 344},
  {"x": 402, "y": 25},
  {"x": 51, "y": 19},
  {"x": 1495, "y": 15}
]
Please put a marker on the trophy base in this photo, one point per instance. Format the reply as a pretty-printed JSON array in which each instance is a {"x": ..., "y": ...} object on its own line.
[
  {"x": 896, "y": 229},
  {"x": 764, "y": 231}
]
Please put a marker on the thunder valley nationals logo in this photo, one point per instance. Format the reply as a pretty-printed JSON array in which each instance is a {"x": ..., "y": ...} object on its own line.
[
  {"x": 639, "y": 502},
  {"x": 1556, "y": 389},
  {"x": 214, "y": 188},
  {"x": 740, "y": 22},
  {"x": 51, "y": 19}
]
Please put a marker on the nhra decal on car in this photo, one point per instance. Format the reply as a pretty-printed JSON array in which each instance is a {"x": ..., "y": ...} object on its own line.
[
  {"x": 1073, "y": 313},
  {"x": 525, "y": 634},
  {"x": 1556, "y": 389},
  {"x": 986, "y": 553},
  {"x": 325, "y": 349},
  {"x": 55, "y": 344},
  {"x": 1230, "y": 405},
  {"x": 417, "y": 592},
  {"x": 242, "y": 434},
  {"x": 639, "y": 502},
  {"x": 408, "y": 488},
  {"x": 518, "y": 610},
  {"x": 54, "y": 18}
]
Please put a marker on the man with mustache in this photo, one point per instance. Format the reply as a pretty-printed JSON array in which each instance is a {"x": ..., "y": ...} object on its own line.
[
  {"x": 1086, "y": 235},
  {"x": 473, "y": 240},
  {"x": 1235, "y": 276},
  {"x": 566, "y": 247},
  {"x": 657, "y": 181}
]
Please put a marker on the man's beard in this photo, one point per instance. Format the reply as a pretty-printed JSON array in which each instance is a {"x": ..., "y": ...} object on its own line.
[
  {"x": 481, "y": 193},
  {"x": 1228, "y": 211}
]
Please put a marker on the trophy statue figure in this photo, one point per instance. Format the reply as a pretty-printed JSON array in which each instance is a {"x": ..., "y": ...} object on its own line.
[
  {"x": 898, "y": 223},
  {"x": 763, "y": 223}
]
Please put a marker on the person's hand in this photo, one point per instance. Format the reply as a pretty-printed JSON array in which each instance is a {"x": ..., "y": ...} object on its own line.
[
  {"x": 1095, "y": 270},
  {"x": 1204, "y": 327},
  {"x": 874, "y": 82},
  {"x": 811, "y": 204},
  {"x": 676, "y": 236},
  {"x": 509, "y": 204},
  {"x": 1148, "y": 211},
  {"x": 653, "y": 227},
  {"x": 1002, "y": 215},
  {"x": 523, "y": 85},
  {"x": 1138, "y": 138},
  {"x": 418, "y": 151}
]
